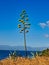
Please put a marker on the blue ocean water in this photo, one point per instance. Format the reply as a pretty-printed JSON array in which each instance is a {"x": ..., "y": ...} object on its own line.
[{"x": 5, "y": 53}]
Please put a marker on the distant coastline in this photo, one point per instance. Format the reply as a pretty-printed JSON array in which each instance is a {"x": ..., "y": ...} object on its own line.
[{"x": 6, "y": 47}]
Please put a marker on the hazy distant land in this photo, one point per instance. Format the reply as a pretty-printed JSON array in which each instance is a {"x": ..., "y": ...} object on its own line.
[{"x": 6, "y": 47}]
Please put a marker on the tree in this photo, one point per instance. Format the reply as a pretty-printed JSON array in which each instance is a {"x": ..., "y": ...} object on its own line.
[{"x": 24, "y": 26}]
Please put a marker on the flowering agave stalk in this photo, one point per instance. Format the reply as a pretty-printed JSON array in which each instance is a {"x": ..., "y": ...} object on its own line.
[{"x": 24, "y": 26}]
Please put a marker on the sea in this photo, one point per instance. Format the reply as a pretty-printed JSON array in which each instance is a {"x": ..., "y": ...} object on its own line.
[{"x": 5, "y": 53}]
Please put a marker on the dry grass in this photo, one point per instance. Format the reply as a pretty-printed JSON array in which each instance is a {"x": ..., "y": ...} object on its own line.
[{"x": 26, "y": 61}]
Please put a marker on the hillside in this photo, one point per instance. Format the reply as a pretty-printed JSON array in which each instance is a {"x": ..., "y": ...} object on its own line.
[{"x": 26, "y": 61}]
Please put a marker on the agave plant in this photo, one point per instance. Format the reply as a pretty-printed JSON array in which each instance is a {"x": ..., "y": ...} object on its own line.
[
  {"x": 24, "y": 26},
  {"x": 33, "y": 55},
  {"x": 12, "y": 55}
]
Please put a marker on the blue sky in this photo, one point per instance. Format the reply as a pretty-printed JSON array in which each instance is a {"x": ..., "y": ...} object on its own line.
[{"x": 38, "y": 12}]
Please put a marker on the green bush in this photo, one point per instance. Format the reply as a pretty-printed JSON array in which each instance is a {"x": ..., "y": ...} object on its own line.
[{"x": 45, "y": 52}]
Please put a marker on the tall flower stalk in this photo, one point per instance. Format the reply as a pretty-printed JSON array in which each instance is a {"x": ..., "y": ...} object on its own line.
[{"x": 24, "y": 26}]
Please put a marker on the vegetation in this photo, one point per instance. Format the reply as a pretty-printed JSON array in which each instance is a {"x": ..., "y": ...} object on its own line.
[
  {"x": 24, "y": 26},
  {"x": 26, "y": 61},
  {"x": 45, "y": 52},
  {"x": 33, "y": 55},
  {"x": 13, "y": 55}
]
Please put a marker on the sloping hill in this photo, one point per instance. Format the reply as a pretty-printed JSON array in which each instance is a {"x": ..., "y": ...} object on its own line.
[{"x": 26, "y": 61}]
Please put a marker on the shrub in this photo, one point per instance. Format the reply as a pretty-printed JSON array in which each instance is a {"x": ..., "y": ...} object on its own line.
[{"x": 45, "y": 52}]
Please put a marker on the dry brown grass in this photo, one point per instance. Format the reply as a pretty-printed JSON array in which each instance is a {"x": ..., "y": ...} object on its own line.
[{"x": 26, "y": 61}]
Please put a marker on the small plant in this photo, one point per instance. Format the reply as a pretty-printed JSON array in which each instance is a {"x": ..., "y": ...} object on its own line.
[
  {"x": 12, "y": 55},
  {"x": 33, "y": 55},
  {"x": 37, "y": 54}
]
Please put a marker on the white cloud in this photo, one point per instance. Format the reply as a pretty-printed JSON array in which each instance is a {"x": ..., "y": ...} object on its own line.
[
  {"x": 43, "y": 25},
  {"x": 46, "y": 35},
  {"x": 47, "y": 23}
]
